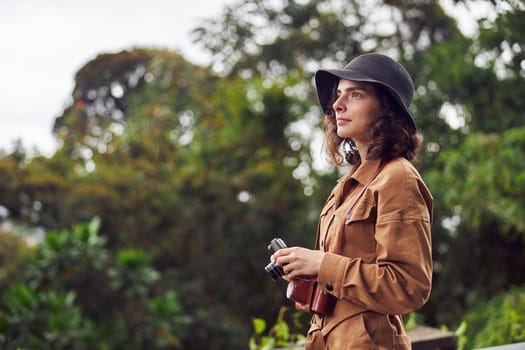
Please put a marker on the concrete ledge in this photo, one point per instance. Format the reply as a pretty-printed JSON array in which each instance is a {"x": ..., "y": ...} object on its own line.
[
  {"x": 427, "y": 338},
  {"x": 516, "y": 346}
]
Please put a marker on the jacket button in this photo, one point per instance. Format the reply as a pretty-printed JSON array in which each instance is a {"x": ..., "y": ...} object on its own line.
[{"x": 329, "y": 287}]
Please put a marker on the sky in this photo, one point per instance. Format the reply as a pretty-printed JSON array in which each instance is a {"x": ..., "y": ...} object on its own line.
[{"x": 43, "y": 43}]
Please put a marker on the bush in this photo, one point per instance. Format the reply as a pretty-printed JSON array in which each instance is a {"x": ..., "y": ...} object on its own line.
[
  {"x": 75, "y": 295},
  {"x": 280, "y": 335},
  {"x": 498, "y": 322},
  {"x": 42, "y": 320}
]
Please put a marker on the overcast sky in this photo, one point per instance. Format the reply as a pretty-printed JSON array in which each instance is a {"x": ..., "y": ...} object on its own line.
[{"x": 43, "y": 43}]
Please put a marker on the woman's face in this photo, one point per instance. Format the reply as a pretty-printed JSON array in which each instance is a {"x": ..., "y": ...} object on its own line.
[{"x": 356, "y": 107}]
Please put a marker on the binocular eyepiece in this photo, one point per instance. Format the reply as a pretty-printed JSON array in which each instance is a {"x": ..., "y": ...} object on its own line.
[{"x": 272, "y": 268}]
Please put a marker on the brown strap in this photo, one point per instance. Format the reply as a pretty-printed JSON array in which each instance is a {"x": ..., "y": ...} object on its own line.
[{"x": 340, "y": 233}]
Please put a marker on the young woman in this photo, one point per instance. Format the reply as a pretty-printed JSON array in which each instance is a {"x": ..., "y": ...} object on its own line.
[{"x": 373, "y": 247}]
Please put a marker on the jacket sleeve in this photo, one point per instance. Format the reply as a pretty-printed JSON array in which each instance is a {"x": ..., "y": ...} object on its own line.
[{"x": 399, "y": 280}]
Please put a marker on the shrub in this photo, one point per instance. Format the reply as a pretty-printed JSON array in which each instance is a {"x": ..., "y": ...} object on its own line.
[
  {"x": 75, "y": 295},
  {"x": 500, "y": 321}
]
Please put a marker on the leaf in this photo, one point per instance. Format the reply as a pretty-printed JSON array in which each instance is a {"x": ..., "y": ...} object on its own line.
[
  {"x": 94, "y": 225},
  {"x": 259, "y": 325}
]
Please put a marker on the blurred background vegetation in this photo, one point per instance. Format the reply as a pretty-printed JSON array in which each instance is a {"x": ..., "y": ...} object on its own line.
[{"x": 147, "y": 229}]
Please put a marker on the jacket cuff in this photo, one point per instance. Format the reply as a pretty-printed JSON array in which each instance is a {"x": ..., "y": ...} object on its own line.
[{"x": 329, "y": 277}]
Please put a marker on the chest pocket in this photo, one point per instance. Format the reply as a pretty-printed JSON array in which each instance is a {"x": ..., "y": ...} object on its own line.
[{"x": 359, "y": 231}]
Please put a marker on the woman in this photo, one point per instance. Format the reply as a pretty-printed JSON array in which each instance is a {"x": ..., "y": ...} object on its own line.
[{"x": 373, "y": 247}]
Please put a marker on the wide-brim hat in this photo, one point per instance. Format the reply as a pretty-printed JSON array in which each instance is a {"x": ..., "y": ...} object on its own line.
[{"x": 374, "y": 68}]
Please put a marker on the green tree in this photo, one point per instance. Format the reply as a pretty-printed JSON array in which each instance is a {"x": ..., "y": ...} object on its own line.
[
  {"x": 202, "y": 177},
  {"x": 486, "y": 227}
]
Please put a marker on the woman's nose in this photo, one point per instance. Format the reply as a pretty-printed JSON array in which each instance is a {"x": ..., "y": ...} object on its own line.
[{"x": 337, "y": 105}]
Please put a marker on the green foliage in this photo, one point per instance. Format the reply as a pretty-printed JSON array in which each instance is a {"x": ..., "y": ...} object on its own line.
[
  {"x": 13, "y": 254},
  {"x": 42, "y": 320},
  {"x": 133, "y": 275},
  {"x": 103, "y": 94},
  {"x": 189, "y": 182},
  {"x": 278, "y": 336},
  {"x": 461, "y": 335},
  {"x": 168, "y": 323},
  {"x": 413, "y": 320},
  {"x": 479, "y": 187},
  {"x": 492, "y": 168},
  {"x": 500, "y": 321},
  {"x": 56, "y": 303},
  {"x": 258, "y": 340},
  {"x": 65, "y": 253}
]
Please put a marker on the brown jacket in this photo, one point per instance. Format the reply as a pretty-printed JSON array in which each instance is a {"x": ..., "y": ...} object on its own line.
[{"x": 386, "y": 261}]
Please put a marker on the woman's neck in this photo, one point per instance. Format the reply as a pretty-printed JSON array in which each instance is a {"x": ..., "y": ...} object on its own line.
[{"x": 362, "y": 148}]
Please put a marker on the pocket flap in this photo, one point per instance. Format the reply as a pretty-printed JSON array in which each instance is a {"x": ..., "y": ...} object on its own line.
[{"x": 362, "y": 211}]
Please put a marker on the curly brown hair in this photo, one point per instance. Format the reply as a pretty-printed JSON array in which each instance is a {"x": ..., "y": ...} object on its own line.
[{"x": 392, "y": 134}]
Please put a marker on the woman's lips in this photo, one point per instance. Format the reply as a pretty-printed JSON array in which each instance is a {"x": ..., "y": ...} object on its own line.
[{"x": 342, "y": 121}]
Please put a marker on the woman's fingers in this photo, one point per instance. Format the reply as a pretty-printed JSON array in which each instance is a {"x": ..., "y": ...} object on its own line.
[{"x": 297, "y": 261}]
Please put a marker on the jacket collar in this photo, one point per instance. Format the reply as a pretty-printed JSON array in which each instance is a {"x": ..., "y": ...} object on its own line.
[
  {"x": 362, "y": 175},
  {"x": 366, "y": 170}
]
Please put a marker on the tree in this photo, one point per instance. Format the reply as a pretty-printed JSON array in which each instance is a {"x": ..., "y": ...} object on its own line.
[
  {"x": 201, "y": 178},
  {"x": 485, "y": 226}
]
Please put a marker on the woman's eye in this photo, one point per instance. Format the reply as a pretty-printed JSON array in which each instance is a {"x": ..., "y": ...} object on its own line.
[{"x": 356, "y": 94}]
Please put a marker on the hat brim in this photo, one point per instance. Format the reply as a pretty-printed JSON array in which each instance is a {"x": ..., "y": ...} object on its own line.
[{"x": 327, "y": 79}]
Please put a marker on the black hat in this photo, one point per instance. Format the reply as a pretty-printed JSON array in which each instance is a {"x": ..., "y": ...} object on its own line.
[{"x": 374, "y": 68}]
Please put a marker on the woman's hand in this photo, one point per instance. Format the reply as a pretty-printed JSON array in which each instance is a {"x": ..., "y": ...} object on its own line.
[{"x": 299, "y": 262}]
